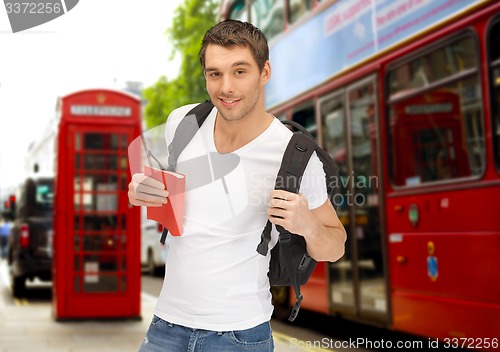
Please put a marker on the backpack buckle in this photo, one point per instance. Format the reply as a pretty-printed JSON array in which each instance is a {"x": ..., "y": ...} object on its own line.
[
  {"x": 304, "y": 262},
  {"x": 300, "y": 147},
  {"x": 295, "y": 309}
]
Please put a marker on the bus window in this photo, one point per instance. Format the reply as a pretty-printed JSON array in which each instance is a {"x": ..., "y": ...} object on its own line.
[
  {"x": 269, "y": 16},
  {"x": 366, "y": 207},
  {"x": 494, "y": 49},
  {"x": 306, "y": 116},
  {"x": 436, "y": 125},
  {"x": 238, "y": 11},
  {"x": 298, "y": 8},
  {"x": 432, "y": 67},
  {"x": 333, "y": 119}
]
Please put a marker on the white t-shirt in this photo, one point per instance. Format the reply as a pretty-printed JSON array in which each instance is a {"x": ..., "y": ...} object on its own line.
[{"x": 215, "y": 279}]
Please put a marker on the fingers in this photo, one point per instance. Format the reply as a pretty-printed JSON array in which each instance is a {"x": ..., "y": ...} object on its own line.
[
  {"x": 141, "y": 179},
  {"x": 278, "y": 205},
  {"x": 145, "y": 190},
  {"x": 285, "y": 205},
  {"x": 285, "y": 195}
]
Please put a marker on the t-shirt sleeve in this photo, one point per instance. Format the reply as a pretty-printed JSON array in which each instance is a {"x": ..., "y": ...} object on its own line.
[{"x": 313, "y": 185}]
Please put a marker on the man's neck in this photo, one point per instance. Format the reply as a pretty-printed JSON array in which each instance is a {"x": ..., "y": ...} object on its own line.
[{"x": 232, "y": 135}]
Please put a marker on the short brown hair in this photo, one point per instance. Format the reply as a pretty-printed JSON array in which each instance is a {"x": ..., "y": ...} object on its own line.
[{"x": 230, "y": 33}]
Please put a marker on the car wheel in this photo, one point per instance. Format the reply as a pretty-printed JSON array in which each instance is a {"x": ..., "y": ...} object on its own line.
[{"x": 18, "y": 286}]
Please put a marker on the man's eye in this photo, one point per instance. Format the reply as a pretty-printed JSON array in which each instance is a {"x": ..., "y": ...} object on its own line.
[
  {"x": 240, "y": 72},
  {"x": 215, "y": 74}
]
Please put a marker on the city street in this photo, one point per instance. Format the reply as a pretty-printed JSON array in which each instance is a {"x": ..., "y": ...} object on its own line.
[{"x": 26, "y": 324}]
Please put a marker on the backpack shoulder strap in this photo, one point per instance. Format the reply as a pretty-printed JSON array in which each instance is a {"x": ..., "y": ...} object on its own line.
[
  {"x": 294, "y": 162},
  {"x": 186, "y": 130},
  {"x": 183, "y": 134}
]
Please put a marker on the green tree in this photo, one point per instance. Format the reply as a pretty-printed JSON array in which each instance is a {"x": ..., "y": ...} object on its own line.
[{"x": 191, "y": 20}]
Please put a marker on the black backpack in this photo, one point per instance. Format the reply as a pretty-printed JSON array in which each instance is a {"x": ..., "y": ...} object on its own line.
[{"x": 290, "y": 253}]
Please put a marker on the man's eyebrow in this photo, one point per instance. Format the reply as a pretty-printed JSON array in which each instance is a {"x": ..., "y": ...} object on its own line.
[
  {"x": 238, "y": 63},
  {"x": 241, "y": 63}
]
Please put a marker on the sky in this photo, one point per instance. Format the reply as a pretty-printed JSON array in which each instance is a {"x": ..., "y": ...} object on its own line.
[{"x": 99, "y": 43}]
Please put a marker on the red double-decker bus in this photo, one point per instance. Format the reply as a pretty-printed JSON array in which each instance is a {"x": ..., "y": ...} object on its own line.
[{"x": 405, "y": 96}]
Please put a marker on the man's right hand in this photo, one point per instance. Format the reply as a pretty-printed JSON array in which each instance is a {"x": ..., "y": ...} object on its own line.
[{"x": 145, "y": 190}]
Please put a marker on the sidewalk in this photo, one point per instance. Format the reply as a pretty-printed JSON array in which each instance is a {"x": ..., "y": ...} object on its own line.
[{"x": 29, "y": 326}]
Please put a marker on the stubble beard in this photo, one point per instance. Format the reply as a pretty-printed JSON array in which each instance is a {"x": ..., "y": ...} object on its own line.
[{"x": 235, "y": 116}]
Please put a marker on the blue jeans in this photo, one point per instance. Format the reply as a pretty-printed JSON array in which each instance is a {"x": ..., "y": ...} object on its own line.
[{"x": 164, "y": 336}]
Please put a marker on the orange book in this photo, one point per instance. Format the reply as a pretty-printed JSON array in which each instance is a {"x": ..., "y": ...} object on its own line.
[{"x": 170, "y": 215}]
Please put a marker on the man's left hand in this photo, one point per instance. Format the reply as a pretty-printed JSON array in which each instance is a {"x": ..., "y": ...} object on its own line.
[{"x": 291, "y": 211}]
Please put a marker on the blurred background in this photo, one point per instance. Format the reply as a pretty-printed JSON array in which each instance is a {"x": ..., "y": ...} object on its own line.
[{"x": 404, "y": 95}]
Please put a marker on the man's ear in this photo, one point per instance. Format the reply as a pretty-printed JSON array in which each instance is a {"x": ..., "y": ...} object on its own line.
[{"x": 266, "y": 73}]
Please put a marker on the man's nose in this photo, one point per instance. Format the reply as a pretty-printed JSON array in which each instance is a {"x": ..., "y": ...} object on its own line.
[{"x": 227, "y": 85}]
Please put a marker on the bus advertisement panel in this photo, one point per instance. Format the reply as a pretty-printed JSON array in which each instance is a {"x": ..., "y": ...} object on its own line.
[{"x": 344, "y": 35}]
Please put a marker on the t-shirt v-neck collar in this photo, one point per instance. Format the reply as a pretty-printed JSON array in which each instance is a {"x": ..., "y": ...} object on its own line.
[{"x": 246, "y": 147}]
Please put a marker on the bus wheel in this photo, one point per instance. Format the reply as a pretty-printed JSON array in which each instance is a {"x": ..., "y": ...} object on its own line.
[{"x": 280, "y": 299}]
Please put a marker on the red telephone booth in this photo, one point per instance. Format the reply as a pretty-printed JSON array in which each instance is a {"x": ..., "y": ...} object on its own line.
[{"x": 96, "y": 267}]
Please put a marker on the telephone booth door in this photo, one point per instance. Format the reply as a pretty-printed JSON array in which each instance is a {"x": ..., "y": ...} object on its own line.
[{"x": 97, "y": 271}]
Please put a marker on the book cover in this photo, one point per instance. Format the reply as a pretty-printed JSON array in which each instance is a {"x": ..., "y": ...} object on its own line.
[{"x": 170, "y": 215}]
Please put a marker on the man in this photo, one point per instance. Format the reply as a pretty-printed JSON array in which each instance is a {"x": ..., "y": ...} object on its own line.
[
  {"x": 215, "y": 295},
  {"x": 4, "y": 237}
]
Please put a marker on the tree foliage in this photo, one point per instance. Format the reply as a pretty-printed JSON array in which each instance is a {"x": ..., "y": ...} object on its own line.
[{"x": 191, "y": 20}]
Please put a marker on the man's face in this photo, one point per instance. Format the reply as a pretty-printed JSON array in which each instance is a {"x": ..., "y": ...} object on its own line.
[{"x": 234, "y": 81}]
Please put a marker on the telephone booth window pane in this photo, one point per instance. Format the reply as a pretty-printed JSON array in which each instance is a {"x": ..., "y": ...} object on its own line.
[
  {"x": 124, "y": 142},
  {"x": 107, "y": 199},
  {"x": 83, "y": 202},
  {"x": 77, "y": 222},
  {"x": 77, "y": 161},
  {"x": 124, "y": 222},
  {"x": 124, "y": 264},
  {"x": 124, "y": 163},
  {"x": 99, "y": 222},
  {"x": 100, "y": 141},
  {"x": 100, "y": 162},
  {"x": 114, "y": 141},
  {"x": 77, "y": 284},
  {"x": 101, "y": 262},
  {"x": 124, "y": 242},
  {"x": 100, "y": 283},
  {"x": 78, "y": 142},
  {"x": 77, "y": 263},
  {"x": 124, "y": 284},
  {"x": 77, "y": 244},
  {"x": 100, "y": 182},
  {"x": 124, "y": 183},
  {"x": 101, "y": 243}
]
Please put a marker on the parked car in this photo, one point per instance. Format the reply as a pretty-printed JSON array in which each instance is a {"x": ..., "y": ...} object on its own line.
[
  {"x": 153, "y": 253},
  {"x": 30, "y": 240}
]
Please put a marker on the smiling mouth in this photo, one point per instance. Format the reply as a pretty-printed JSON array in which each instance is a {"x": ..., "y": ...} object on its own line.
[{"x": 229, "y": 102}]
